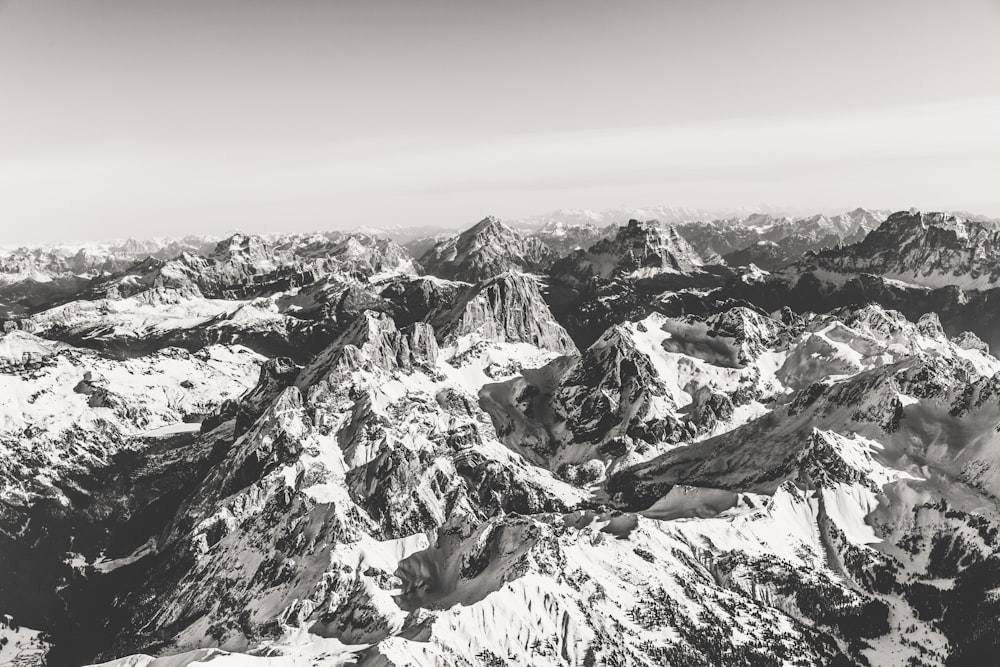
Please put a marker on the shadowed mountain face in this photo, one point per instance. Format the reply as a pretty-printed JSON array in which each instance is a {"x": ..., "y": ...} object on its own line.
[{"x": 562, "y": 445}]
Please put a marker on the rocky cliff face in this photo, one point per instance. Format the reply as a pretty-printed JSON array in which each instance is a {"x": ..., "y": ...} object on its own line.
[
  {"x": 507, "y": 308},
  {"x": 373, "y": 444}
]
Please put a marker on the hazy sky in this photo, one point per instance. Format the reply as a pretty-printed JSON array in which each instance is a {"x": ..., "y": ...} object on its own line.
[{"x": 146, "y": 118}]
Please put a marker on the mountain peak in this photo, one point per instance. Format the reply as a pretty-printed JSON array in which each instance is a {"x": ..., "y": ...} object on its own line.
[
  {"x": 487, "y": 222},
  {"x": 487, "y": 248},
  {"x": 240, "y": 246},
  {"x": 638, "y": 249}
]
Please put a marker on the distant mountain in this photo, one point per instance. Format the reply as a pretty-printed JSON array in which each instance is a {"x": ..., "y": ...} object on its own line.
[
  {"x": 484, "y": 250},
  {"x": 47, "y": 262},
  {"x": 764, "y": 254},
  {"x": 925, "y": 249},
  {"x": 637, "y": 250},
  {"x": 618, "y": 216},
  {"x": 564, "y": 238},
  {"x": 771, "y": 242},
  {"x": 914, "y": 262}
]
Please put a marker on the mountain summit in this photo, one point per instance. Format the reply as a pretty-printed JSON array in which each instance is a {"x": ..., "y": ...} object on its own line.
[
  {"x": 637, "y": 250},
  {"x": 484, "y": 250}
]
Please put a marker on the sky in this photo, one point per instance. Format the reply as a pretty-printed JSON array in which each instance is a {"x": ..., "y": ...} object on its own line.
[{"x": 140, "y": 118}]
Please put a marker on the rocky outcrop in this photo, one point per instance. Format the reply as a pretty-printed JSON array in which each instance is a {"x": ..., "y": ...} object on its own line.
[
  {"x": 275, "y": 376},
  {"x": 970, "y": 341}
]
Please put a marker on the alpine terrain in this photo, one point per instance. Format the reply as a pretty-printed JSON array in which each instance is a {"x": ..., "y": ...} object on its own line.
[{"x": 569, "y": 441}]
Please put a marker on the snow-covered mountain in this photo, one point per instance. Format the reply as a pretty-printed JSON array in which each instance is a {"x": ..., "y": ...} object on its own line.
[
  {"x": 665, "y": 214},
  {"x": 638, "y": 249},
  {"x": 771, "y": 242},
  {"x": 609, "y": 449},
  {"x": 564, "y": 238},
  {"x": 46, "y": 261},
  {"x": 914, "y": 262},
  {"x": 487, "y": 248},
  {"x": 924, "y": 249}
]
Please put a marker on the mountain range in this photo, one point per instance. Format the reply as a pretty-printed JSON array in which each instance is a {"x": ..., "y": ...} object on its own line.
[{"x": 759, "y": 440}]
